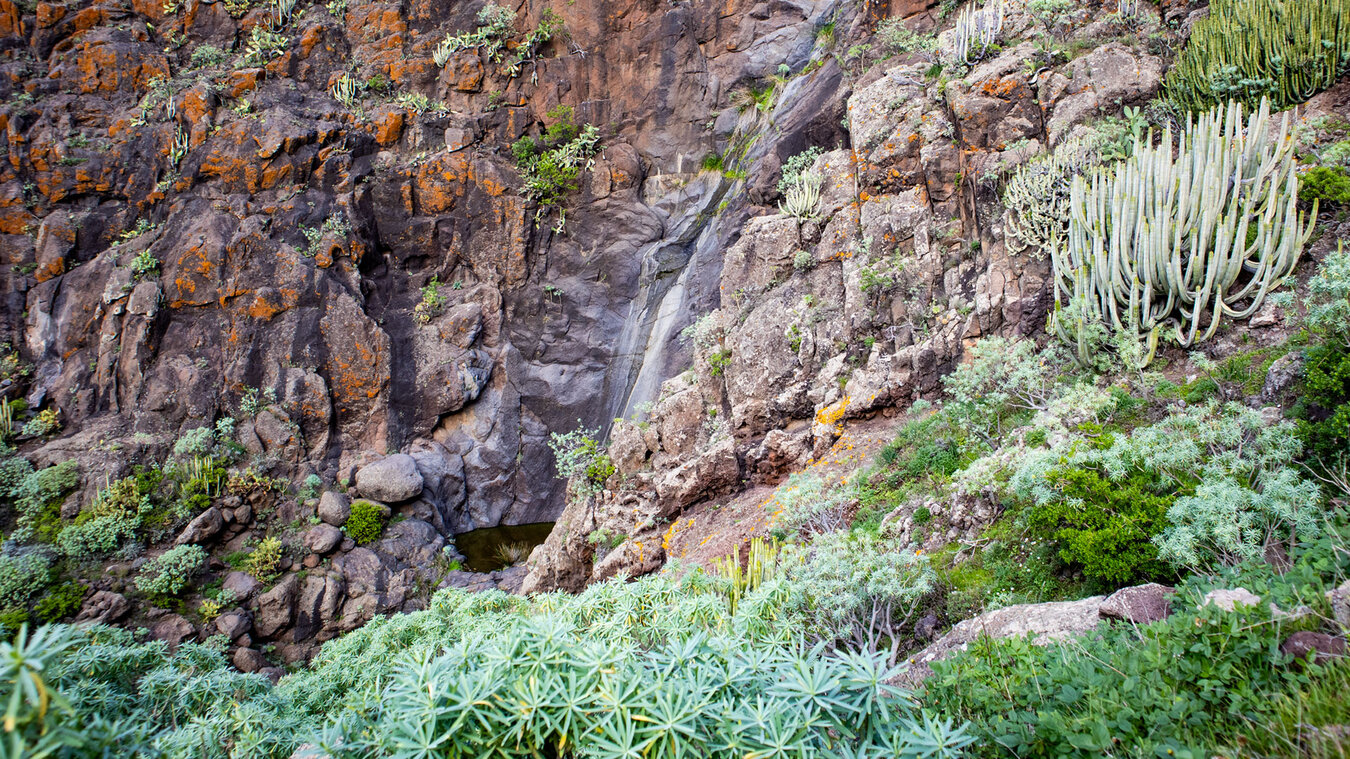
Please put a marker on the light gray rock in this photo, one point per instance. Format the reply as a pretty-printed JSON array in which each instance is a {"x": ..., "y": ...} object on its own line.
[
  {"x": 322, "y": 538},
  {"x": 276, "y": 607},
  {"x": 1340, "y": 604},
  {"x": 335, "y": 508},
  {"x": 1229, "y": 599},
  {"x": 1045, "y": 623},
  {"x": 204, "y": 527},
  {"x": 392, "y": 479}
]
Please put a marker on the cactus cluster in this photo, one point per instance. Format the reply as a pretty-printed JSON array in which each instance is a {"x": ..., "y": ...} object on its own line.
[
  {"x": 1285, "y": 50},
  {"x": 976, "y": 29},
  {"x": 802, "y": 199},
  {"x": 1037, "y": 195},
  {"x": 1185, "y": 240}
]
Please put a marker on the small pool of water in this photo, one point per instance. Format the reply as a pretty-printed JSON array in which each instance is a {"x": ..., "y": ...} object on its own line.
[{"x": 483, "y": 549}]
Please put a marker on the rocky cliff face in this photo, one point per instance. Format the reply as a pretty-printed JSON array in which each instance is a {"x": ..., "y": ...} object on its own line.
[
  {"x": 294, "y": 237},
  {"x": 195, "y": 228},
  {"x": 865, "y": 306}
]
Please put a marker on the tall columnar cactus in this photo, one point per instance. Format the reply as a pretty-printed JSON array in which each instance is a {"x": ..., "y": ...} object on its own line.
[
  {"x": 1286, "y": 50},
  {"x": 977, "y": 28},
  {"x": 1186, "y": 239}
]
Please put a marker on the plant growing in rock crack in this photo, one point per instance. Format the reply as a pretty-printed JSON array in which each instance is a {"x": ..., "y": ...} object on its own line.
[
  {"x": 144, "y": 265},
  {"x": 432, "y": 302},
  {"x": 551, "y": 164},
  {"x": 581, "y": 460}
]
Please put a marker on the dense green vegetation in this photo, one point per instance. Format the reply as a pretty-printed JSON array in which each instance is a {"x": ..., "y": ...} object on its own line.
[{"x": 1284, "y": 50}]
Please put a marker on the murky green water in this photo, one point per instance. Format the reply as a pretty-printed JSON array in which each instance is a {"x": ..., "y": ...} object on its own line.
[{"x": 481, "y": 548}]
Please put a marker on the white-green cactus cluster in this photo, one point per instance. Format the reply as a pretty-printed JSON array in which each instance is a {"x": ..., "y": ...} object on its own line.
[
  {"x": 1037, "y": 195},
  {"x": 977, "y": 28},
  {"x": 1185, "y": 238},
  {"x": 802, "y": 199}
]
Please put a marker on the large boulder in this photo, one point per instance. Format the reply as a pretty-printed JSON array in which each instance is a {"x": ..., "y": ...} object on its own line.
[
  {"x": 335, "y": 508},
  {"x": 1045, "y": 623},
  {"x": 207, "y": 525},
  {"x": 276, "y": 607},
  {"x": 322, "y": 538},
  {"x": 393, "y": 479}
]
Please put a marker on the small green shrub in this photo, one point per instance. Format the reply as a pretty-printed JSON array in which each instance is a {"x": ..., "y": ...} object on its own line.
[
  {"x": 265, "y": 560},
  {"x": 1325, "y": 426},
  {"x": 116, "y": 514},
  {"x": 59, "y": 602},
  {"x": 43, "y": 424},
  {"x": 551, "y": 164},
  {"x": 366, "y": 522},
  {"x": 1106, "y": 526},
  {"x": 169, "y": 573},
  {"x": 144, "y": 265},
  {"x": 207, "y": 56},
  {"x": 22, "y": 577},
  {"x": 432, "y": 302},
  {"x": 1329, "y": 185},
  {"x": 581, "y": 460},
  {"x": 718, "y": 361}
]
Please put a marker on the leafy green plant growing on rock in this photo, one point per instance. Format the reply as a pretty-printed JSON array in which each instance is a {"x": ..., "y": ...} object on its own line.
[
  {"x": 581, "y": 460},
  {"x": 1163, "y": 239},
  {"x": 101, "y": 528},
  {"x": 366, "y": 523},
  {"x": 44, "y": 423},
  {"x": 264, "y": 562},
  {"x": 432, "y": 302},
  {"x": 263, "y": 45},
  {"x": 169, "y": 573},
  {"x": 552, "y": 163},
  {"x": 495, "y": 25},
  {"x": 1249, "y": 50},
  {"x": 144, "y": 265}
]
